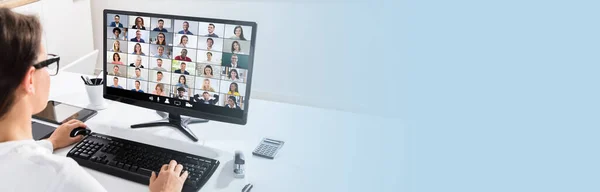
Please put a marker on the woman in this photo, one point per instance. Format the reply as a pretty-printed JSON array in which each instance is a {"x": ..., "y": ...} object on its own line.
[
  {"x": 233, "y": 89},
  {"x": 116, "y": 47},
  {"x": 233, "y": 75},
  {"x": 159, "y": 89},
  {"x": 235, "y": 47},
  {"x": 208, "y": 71},
  {"x": 182, "y": 82},
  {"x": 206, "y": 86},
  {"x": 183, "y": 41},
  {"x": 116, "y": 33},
  {"x": 232, "y": 103},
  {"x": 238, "y": 33},
  {"x": 24, "y": 71},
  {"x": 139, "y": 24},
  {"x": 137, "y": 49},
  {"x": 117, "y": 59},
  {"x": 160, "y": 39}
]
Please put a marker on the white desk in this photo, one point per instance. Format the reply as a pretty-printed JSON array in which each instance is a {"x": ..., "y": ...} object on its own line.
[{"x": 321, "y": 152}]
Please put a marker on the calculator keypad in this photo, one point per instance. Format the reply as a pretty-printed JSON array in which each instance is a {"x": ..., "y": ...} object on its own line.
[{"x": 267, "y": 150}]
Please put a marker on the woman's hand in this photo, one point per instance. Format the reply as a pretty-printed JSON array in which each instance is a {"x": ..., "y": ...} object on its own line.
[
  {"x": 61, "y": 136},
  {"x": 169, "y": 178}
]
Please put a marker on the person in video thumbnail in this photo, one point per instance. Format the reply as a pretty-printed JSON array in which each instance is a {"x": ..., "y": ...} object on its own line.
[
  {"x": 159, "y": 77},
  {"x": 138, "y": 63},
  {"x": 238, "y": 33},
  {"x": 234, "y": 60},
  {"x": 206, "y": 99},
  {"x": 232, "y": 103},
  {"x": 206, "y": 86},
  {"x": 137, "y": 49},
  {"x": 181, "y": 69},
  {"x": 115, "y": 71},
  {"x": 185, "y": 30},
  {"x": 116, "y": 83},
  {"x": 236, "y": 48},
  {"x": 138, "y": 74},
  {"x": 117, "y": 59},
  {"x": 183, "y": 41},
  {"x": 116, "y": 33},
  {"x": 161, "y": 24},
  {"x": 160, "y": 39},
  {"x": 139, "y": 24},
  {"x": 161, "y": 52},
  {"x": 159, "y": 63},
  {"x": 181, "y": 93},
  {"x": 159, "y": 89},
  {"x": 233, "y": 75},
  {"x": 182, "y": 82},
  {"x": 208, "y": 71},
  {"x": 116, "y": 47},
  {"x": 233, "y": 89},
  {"x": 183, "y": 56},
  {"x": 209, "y": 43},
  {"x": 211, "y": 31},
  {"x": 138, "y": 37},
  {"x": 116, "y": 22},
  {"x": 209, "y": 57},
  {"x": 137, "y": 87}
]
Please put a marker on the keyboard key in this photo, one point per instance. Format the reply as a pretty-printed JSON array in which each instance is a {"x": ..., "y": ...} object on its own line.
[
  {"x": 113, "y": 163},
  {"x": 120, "y": 165},
  {"x": 126, "y": 166},
  {"x": 84, "y": 155},
  {"x": 134, "y": 168}
]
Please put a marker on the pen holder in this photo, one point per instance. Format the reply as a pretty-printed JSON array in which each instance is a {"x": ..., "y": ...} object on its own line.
[{"x": 95, "y": 95}]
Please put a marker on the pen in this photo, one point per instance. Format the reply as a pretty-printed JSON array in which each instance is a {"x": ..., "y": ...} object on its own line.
[{"x": 84, "y": 81}]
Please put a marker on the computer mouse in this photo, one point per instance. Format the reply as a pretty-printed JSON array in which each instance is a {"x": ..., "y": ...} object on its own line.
[{"x": 80, "y": 131}]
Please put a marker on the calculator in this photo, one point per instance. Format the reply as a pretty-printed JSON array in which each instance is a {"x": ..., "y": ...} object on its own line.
[{"x": 268, "y": 148}]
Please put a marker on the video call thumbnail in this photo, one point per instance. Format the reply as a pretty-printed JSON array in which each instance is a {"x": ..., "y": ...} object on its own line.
[{"x": 196, "y": 61}]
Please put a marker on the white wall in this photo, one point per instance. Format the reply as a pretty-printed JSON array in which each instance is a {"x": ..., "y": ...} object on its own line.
[
  {"x": 307, "y": 52},
  {"x": 67, "y": 30}
]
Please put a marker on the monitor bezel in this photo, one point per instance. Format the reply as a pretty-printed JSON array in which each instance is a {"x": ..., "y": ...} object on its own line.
[{"x": 178, "y": 109}]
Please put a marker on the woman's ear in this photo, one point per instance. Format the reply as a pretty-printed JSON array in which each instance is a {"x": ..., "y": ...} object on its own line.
[{"x": 28, "y": 82}]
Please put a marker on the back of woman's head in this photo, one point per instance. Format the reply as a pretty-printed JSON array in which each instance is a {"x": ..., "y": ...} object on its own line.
[{"x": 20, "y": 39}]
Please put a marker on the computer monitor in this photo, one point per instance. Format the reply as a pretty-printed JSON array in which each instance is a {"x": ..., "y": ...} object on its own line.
[{"x": 180, "y": 65}]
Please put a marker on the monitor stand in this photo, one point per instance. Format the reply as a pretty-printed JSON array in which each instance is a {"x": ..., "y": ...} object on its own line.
[{"x": 174, "y": 120}]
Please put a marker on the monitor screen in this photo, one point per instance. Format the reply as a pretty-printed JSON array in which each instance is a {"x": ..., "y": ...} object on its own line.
[{"x": 195, "y": 66}]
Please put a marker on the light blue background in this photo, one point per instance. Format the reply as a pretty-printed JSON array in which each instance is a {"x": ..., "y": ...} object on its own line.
[{"x": 501, "y": 95}]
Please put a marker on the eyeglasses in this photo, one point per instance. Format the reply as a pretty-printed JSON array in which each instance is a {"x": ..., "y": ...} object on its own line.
[{"x": 51, "y": 64}]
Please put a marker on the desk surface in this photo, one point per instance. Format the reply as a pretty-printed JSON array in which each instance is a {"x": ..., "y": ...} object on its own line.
[{"x": 325, "y": 150}]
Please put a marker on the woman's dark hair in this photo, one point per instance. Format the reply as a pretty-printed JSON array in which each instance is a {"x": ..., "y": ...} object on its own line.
[
  {"x": 211, "y": 70},
  {"x": 117, "y": 56},
  {"x": 184, "y": 79},
  {"x": 164, "y": 41},
  {"x": 236, "y": 87},
  {"x": 239, "y": 46},
  {"x": 237, "y": 75},
  {"x": 20, "y": 42},
  {"x": 117, "y": 29},
  {"x": 134, "y": 51},
  {"x": 181, "y": 40},
  {"x": 141, "y": 19},
  {"x": 209, "y": 53},
  {"x": 241, "y": 32}
]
